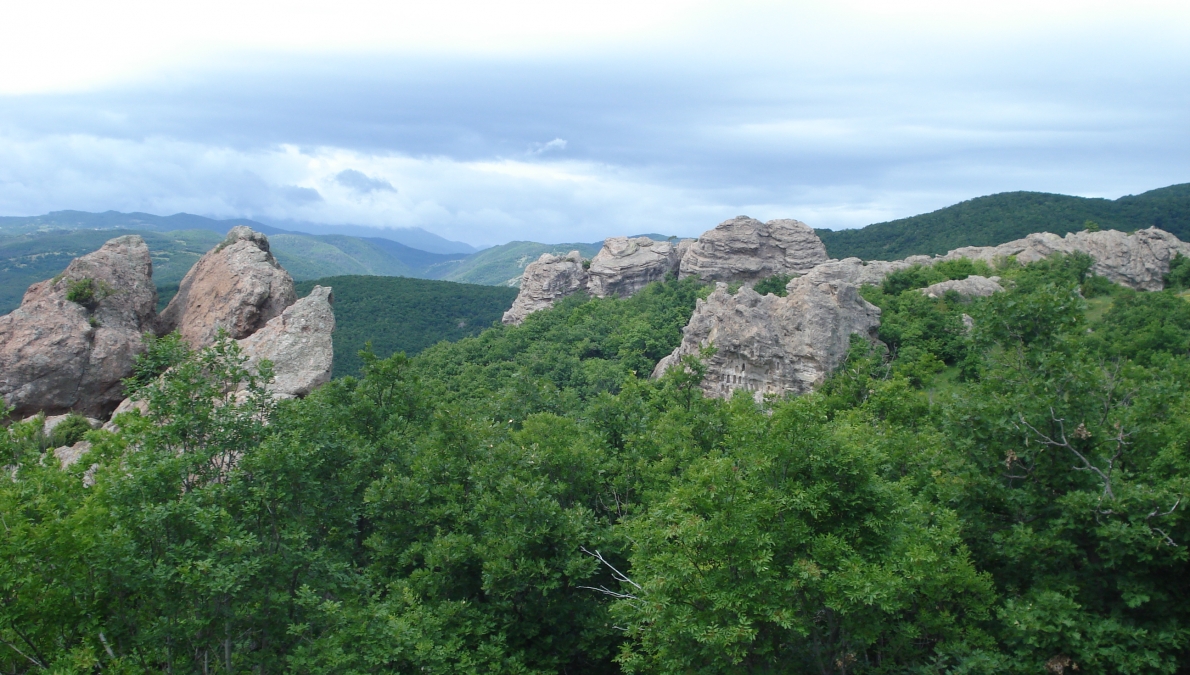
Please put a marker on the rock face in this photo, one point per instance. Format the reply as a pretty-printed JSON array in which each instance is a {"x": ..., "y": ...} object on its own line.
[
  {"x": 298, "y": 342},
  {"x": 58, "y": 355},
  {"x": 238, "y": 286},
  {"x": 624, "y": 266},
  {"x": 1138, "y": 260},
  {"x": 745, "y": 249},
  {"x": 773, "y": 345},
  {"x": 973, "y": 286},
  {"x": 546, "y": 281}
]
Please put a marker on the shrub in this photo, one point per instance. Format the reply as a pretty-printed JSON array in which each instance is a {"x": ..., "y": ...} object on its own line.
[
  {"x": 1179, "y": 272},
  {"x": 69, "y": 431},
  {"x": 774, "y": 284}
]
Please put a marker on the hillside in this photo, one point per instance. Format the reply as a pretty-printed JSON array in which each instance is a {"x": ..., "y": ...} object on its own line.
[
  {"x": 399, "y": 314},
  {"x": 413, "y": 237},
  {"x": 503, "y": 265},
  {"x": 32, "y": 256},
  {"x": 999, "y": 218}
]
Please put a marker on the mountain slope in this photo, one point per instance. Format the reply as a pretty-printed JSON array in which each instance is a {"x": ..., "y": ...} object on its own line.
[
  {"x": 503, "y": 265},
  {"x": 995, "y": 219},
  {"x": 402, "y": 314}
]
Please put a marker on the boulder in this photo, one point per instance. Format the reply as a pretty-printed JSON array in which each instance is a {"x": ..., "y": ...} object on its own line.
[
  {"x": 71, "y": 454},
  {"x": 546, "y": 281},
  {"x": 59, "y": 355},
  {"x": 624, "y": 266},
  {"x": 1139, "y": 260},
  {"x": 773, "y": 345},
  {"x": 298, "y": 342},
  {"x": 745, "y": 249},
  {"x": 974, "y": 286},
  {"x": 238, "y": 286}
]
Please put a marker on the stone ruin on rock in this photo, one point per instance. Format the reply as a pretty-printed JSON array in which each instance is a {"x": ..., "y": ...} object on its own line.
[
  {"x": 777, "y": 345},
  {"x": 238, "y": 286},
  {"x": 75, "y": 337},
  {"x": 772, "y": 345}
]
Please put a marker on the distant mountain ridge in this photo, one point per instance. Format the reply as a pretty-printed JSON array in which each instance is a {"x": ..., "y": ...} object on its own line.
[
  {"x": 1000, "y": 218},
  {"x": 412, "y": 237}
]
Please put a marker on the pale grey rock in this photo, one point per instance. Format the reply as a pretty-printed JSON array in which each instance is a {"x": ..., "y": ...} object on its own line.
[
  {"x": 298, "y": 342},
  {"x": 546, "y": 281},
  {"x": 968, "y": 323},
  {"x": 58, "y": 356},
  {"x": 237, "y": 286},
  {"x": 1139, "y": 260},
  {"x": 624, "y": 266},
  {"x": 974, "y": 286},
  {"x": 773, "y": 345},
  {"x": 68, "y": 455},
  {"x": 127, "y": 405},
  {"x": 745, "y": 249}
]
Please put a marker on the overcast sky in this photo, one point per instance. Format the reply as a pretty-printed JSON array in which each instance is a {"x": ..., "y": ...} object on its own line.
[{"x": 553, "y": 121}]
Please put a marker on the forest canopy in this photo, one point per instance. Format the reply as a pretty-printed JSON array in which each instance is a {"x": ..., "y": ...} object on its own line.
[{"x": 998, "y": 486}]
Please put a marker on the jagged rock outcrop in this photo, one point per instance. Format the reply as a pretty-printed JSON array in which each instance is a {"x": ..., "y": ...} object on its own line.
[
  {"x": 974, "y": 286},
  {"x": 546, "y": 281},
  {"x": 625, "y": 265},
  {"x": 238, "y": 286},
  {"x": 298, "y": 342},
  {"x": 1139, "y": 260},
  {"x": 773, "y": 345},
  {"x": 74, "y": 337},
  {"x": 745, "y": 249}
]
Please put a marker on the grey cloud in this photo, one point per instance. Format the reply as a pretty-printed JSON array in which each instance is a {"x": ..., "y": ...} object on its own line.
[
  {"x": 362, "y": 183},
  {"x": 836, "y": 135}
]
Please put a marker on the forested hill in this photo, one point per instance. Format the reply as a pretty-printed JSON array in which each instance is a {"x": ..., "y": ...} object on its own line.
[
  {"x": 999, "y": 218},
  {"x": 1001, "y": 490},
  {"x": 399, "y": 314}
]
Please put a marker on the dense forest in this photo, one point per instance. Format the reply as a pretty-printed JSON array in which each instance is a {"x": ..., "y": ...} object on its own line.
[
  {"x": 399, "y": 314},
  {"x": 1003, "y": 217},
  {"x": 999, "y": 486}
]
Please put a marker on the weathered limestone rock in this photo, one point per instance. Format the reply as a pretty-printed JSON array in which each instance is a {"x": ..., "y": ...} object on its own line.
[
  {"x": 546, "y": 281},
  {"x": 624, "y": 266},
  {"x": 70, "y": 454},
  {"x": 238, "y": 286},
  {"x": 773, "y": 345},
  {"x": 57, "y": 355},
  {"x": 298, "y": 342},
  {"x": 745, "y": 249},
  {"x": 974, "y": 286},
  {"x": 1138, "y": 260}
]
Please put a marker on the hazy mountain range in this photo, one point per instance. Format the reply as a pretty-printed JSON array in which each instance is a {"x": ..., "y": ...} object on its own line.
[{"x": 38, "y": 247}]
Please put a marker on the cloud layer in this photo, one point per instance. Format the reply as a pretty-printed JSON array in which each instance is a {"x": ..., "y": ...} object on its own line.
[{"x": 839, "y": 119}]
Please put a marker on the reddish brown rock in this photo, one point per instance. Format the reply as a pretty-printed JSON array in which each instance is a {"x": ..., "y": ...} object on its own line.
[
  {"x": 238, "y": 286},
  {"x": 59, "y": 355}
]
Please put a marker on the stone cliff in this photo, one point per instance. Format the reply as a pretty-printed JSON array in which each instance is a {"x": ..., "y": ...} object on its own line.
[
  {"x": 745, "y": 249},
  {"x": 547, "y": 280}
]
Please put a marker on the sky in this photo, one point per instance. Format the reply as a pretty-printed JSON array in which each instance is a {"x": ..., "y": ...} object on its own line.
[{"x": 572, "y": 121}]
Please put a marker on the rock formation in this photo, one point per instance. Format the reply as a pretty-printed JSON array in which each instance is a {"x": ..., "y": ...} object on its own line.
[
  {"x": 238, "y": 286},
  {"x": 773, "y": 345},
  {"x": 974, "y": 286},
  {"x": 1139, "y": 260},
  {"x": 298, "y": 342},
  {"x": 74, "y": 337},
  {"x": 624, "y": 266},
  {"x": 745, "y": 249},
  {"x": 546, "y": 281}
]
